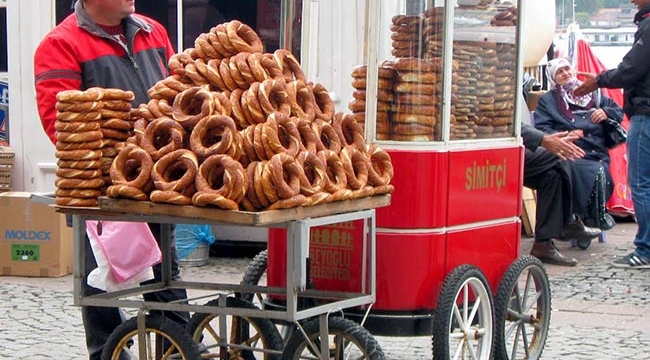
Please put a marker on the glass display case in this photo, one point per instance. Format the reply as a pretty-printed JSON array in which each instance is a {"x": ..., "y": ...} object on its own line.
[{"x": 426, "y": 91}]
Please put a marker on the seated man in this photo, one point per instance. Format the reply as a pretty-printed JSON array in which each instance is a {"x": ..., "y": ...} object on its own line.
[{"x": 546, "y": 171}]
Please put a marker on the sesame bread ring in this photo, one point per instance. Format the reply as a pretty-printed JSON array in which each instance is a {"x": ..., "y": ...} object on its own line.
[
  {"x": 268, "y": 187},
  {"x": 301, "y": 97},
  {"x": 192, "y": 105},
  {"x": 412, "y": 129},
  {"x": 327, "y": 135},
  {"x": 170, "y": 197},
  {"x": 76, "y": 126},
  {"x": 324, "y": 104},
  {"x": 83, "y": 165},
  {"x": 213, "y": 135},
  {"x": 273, "y": 97},
  {"x": 91, "y": 145},
  {"x": 380, "y": 167},
  {"x": 241, "y": 64},
  {"x": 160, "y": 108},
  {"x": 114, "y": 114},
  {"x": 94, "y": 183},
  {"x": 250, "y": 102},
  {"x": 420, "y": 77},
  {"x": 314, "y": 170},
  {"x": 223, "y": 45},
  {"x": 308, "y": 137},
  {"x": 414, "y": 64},
  {"x": 77, "y": 173},
  {"x": 113, "y": 93},
  {"x": 349, "y": 131},
  {"x": 295, "y": 201},
  {"x": 210, "y": 71},
  {"x": 221, "y": 181},
  {"x": 238, "y": 114},
  {"x": 116, "y": 105},
  {"x": 286, "y": 175},
  {"x": 125, "y": 191},
  {"x": 178, "y": 61},
  {"x": 336, "y": 179},
  {"x": 161, "y": 137},
  {"x": 243, "y": 38},
  {"x": 382, "y": 83},
  {"x": 78, "y": 137},
  {"x": 289, "y": 65},
  {"x": 75, "y": 201},
  {"x": 117, "y": 124},
  {"x": 382, "y": 95},
  {"x": 280, "y": 135},
  {"x": 131, "y": 167},
  {"x": 78, "y": 155},
  {"x": 406, "y": 19},
  {"x": 78, "y": 116},
  {"x": 355, "y": 166},
  {"x": 226, "y": 76},
  {"x": 415, "y": 88},
  {"x": 175, "y": 171},
  {"x": 86, "y": 106},
  {"x": 78, "y": 193},
  {"x": 205, "y": 45},
  {"x": 258, "y": 184},
  {"x": 251, "y": 195},
  {"x": 79, "y": 96},
  {"x": 142, "y": 112}
]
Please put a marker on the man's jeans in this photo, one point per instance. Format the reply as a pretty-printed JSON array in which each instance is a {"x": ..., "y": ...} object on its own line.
[{"x": 638, "y": 151}]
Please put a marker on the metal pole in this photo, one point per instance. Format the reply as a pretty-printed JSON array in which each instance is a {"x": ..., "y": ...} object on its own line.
[{"x": 287, "y": 12}]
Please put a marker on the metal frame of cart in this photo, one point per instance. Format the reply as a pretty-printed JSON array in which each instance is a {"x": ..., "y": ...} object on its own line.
[{"x": 297, "y": 221}]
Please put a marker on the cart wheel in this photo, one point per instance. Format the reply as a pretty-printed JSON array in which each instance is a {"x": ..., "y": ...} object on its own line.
[
  {"x": 165, "y": 339},
  {"x": 583, "y": 243},
  {"x": 254, "y": 273},
  {"x": 462, "y": 322},
  {"x": 257, "y": 333},
  {"x": 347, "y": 339},
  {"x": 522, "y": 311}
]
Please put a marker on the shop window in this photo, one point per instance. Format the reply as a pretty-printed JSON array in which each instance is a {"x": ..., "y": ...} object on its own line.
[{"x": 200, "y": 16}]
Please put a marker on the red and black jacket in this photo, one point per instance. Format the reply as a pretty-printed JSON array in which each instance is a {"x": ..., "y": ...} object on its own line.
[{"x": 78, "y": 54}]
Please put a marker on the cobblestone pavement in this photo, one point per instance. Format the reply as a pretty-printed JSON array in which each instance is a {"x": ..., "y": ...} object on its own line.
[{"x": 599, "y": 312}]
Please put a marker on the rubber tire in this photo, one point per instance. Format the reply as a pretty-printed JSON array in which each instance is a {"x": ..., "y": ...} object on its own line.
[
  {"x": 534, "y": 267},
  {"x": 159, "y": 325},
  {"x": 583, "y": 244},
  {"x": 254, "y": 273},
  {"x": 447, "y": 300},
  {"x": 271, "y": 338},
  {"x": 351, "y": 332}
]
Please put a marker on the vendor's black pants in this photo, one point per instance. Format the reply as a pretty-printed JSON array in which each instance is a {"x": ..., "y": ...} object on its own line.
[
  {"x": 550, "y": 176},
  {"x": 99, "y": 322}
]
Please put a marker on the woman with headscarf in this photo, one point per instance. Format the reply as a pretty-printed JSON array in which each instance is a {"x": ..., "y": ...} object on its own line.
[{"x": 583, "y": 116}]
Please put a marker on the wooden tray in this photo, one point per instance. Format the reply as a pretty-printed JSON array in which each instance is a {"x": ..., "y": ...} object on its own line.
[{"x": 112, "y": 206}]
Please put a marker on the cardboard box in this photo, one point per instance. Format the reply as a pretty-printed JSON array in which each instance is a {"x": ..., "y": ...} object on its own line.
[
  {"x": 34, "y": 239},
  {"x": 6, "y": 168}
]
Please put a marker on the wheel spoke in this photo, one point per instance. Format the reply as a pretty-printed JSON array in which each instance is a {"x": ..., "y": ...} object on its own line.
[
  {"x": 475, "y": 308},
  {"x": 458, "y": 317},
  {"x": 459, "y": 349}
]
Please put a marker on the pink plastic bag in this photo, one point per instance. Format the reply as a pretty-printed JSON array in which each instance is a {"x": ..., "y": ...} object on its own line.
[{"x": 129, "y": 247}]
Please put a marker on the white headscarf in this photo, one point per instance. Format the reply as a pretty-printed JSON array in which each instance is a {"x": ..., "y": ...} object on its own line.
[{"x": 553, "y": 66}]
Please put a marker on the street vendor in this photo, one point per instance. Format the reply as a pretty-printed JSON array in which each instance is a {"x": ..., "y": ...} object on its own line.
[{"x": 104, "y": 44}]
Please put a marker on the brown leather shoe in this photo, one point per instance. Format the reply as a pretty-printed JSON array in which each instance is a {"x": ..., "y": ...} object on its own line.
[{"x": 547, "y": 253}]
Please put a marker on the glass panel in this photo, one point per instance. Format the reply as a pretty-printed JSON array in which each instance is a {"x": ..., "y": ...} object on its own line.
[
  {"x": 409, "y": 86},
  {"x": 484, "y": 70},
  {"x": 199, "y": 16}
]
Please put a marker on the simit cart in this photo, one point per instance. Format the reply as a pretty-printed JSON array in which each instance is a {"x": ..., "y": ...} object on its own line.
[{"x": 446, "y": 100}]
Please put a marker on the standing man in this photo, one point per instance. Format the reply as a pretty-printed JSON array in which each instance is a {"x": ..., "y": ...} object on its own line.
[
  {"x": 633, "y": 75},
  {"x": 104, "y": 44}
]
